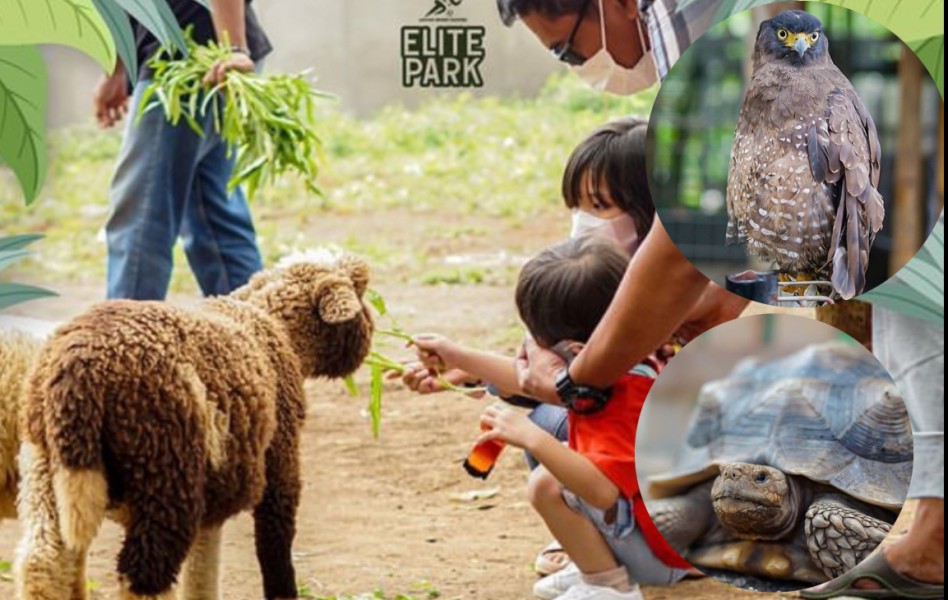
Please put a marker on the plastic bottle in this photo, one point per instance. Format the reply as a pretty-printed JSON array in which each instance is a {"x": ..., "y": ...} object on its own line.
[{"x": 480, "y": 462}]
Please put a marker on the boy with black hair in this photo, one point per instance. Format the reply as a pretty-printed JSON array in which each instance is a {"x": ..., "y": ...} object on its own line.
[{"x": 587, "y": 492}]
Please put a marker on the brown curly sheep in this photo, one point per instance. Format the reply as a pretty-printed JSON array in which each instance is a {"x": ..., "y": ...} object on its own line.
[
  {"x": 18, "y": 351},
  {"x": 175, "y": 421}
]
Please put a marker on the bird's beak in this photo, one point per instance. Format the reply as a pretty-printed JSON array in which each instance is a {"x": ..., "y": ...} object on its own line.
[{"x": 801, "y": 45}]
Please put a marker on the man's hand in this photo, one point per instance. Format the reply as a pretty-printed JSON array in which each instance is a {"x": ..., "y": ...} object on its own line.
[
  {"x": 511, "y": 426},
  {"x": 110, "y": 100},
  {"x": 238, "y": 61},
  {"x": 422, "y": 380},
  {"x": 536, "y": 371}
]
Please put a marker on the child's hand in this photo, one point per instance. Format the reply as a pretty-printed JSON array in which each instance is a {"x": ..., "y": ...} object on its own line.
[
  {"x": 511, "y": 426},
  {"x": 436, "y": 351}
]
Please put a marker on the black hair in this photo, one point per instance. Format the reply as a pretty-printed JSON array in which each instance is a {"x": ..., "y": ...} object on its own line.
[
  {"x": 511, "y": 10},
  {"x": 564, "y": 291},
  {"x": 613, "y": 156}
]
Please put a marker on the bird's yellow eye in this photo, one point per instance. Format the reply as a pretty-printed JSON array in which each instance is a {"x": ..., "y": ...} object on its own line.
[
  {"x": 782, "y": 34},
  {"x": 814, "y": 36}
]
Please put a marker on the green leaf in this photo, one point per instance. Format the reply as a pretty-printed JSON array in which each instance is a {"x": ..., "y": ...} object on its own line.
[
  {"x": 375, "y": 399},
  {"x": 10, "y": 257},
  {"x": 908, "y": 19},
  {"x": 73, "y": 23},
  {"x": 377, "y": 301},
  {"x": 16, "y": 242},
  {"x": 15, "y": 293},
  {"x": 121, "y": 29},
  {"x": 156, "y": 17},
  {"x": 351, "y": 386},
  {"x": 931, "y": 52},
  {"x": 918, "y": 289},
  {"x": 23, "y": 116}
]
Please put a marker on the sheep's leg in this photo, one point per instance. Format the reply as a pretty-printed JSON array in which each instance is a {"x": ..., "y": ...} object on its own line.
[
  {"x": 44, "y": 568},
  {"x": 202, "y": 570},
  {"x": 275, "y": 519}
]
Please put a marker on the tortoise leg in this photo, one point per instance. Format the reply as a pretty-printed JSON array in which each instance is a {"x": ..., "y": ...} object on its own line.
[
  {"x": 685, "y": 518},
  {"x": 840, "y": 533}
]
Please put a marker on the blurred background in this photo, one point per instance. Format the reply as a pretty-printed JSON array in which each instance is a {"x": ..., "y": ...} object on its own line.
[
  {"x": 696, "y": 112},
  {"x": 710, "y": 357}
]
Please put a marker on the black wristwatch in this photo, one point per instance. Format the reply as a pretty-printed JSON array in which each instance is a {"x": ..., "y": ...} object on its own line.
[{"x": 581, "y": 399}]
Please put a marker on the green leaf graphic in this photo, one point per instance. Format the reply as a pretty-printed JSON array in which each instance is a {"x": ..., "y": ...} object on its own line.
[
  {"x": 156, "y": 17},
  {"x": 73, "y": 23},
  {"x": 121, "y": 29},
  {"x": 908, "y": 19},
  {"x": 23, "y": 116},
  {"x": 16, "y": 293},
  {"x": 918, "y": 289},
  {"x": 932, "y": 54},
  {"x": 18, "y": 242}
]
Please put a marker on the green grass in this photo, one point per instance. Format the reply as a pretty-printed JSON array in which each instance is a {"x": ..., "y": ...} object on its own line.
[{"x": 446, "y": 164}]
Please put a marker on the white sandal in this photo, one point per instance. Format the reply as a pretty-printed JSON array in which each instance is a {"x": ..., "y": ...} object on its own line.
[{"x": 545, "y": 565}]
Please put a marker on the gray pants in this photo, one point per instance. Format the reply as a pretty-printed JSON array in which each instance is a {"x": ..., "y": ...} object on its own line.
[
  {"x": 627, "y": 543},
  {"x": 913, "y": 351}
]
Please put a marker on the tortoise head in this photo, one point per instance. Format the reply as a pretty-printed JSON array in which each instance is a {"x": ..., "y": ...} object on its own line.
[{"x": 755, "y": 501}]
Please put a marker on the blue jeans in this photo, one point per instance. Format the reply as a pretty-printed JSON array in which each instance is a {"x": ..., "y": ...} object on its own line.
[
  {"x": 552, "y": 419},
  {"x": 172, "y": 182}
]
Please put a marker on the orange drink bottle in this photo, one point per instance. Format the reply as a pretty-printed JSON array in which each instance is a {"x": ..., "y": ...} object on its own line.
[{"x": 480, "y": 462}]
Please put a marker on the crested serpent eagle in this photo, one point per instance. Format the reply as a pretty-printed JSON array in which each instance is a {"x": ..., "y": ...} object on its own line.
[{"x": 802, "y": 186}]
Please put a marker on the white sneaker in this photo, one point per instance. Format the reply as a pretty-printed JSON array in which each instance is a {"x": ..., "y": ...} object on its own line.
[
  {"x": 555, "y": 585},
  {"x": 584, "y": 591}
]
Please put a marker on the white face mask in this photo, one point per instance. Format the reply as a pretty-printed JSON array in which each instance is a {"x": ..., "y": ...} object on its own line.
[
  {"x": 620, "y": 229},
  {"x": 602, "y": 72}
]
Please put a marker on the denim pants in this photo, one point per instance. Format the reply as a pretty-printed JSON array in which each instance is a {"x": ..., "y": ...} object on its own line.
[
  {"x": 552, "y": 419},
  {"x": 171, "y": 182},
  {"x": 913, "y": 351}
]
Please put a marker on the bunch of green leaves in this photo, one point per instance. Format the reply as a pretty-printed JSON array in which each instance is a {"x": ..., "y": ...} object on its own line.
[
  {"x": 12, "y": 250},
  {"x": 268, "y": 121},
  {"x": 380, "y": 364}
]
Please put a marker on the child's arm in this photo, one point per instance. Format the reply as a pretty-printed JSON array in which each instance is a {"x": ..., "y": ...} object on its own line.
[
  {"x": 439, "y": 352},
  {"x": 576, "y": 472}
]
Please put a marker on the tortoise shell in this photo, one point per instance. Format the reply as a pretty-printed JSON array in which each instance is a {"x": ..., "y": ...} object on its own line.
[{"x": 830, "y": 413}]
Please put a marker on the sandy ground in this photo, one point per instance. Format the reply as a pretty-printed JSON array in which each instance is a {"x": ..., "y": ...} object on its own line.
[{"x": 382, "y": 514}]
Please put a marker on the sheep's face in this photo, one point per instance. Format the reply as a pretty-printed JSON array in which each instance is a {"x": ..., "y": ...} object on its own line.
[{"x": 321, "y": 305}]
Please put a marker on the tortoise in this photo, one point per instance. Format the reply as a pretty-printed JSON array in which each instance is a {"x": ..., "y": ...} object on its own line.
[{"x": 793, "y": 469}]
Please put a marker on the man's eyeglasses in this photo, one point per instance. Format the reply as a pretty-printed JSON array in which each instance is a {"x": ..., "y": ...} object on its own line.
[{"x": 564, "y": 50}]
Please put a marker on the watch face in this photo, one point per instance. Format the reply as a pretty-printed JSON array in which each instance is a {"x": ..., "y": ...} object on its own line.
[{"x": 588, "y": 404}]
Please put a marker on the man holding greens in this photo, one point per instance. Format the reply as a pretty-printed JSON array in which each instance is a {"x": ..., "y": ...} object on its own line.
[{"x": 171, "y": 182}]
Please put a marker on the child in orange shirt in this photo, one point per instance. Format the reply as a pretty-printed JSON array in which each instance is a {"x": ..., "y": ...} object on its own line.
[{"x": 586, "y": 492}]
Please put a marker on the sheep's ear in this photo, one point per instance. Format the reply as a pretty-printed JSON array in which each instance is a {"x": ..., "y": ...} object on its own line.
[
  {"x": 338, "y": 302},
  {"x": 357, "y": 270}
]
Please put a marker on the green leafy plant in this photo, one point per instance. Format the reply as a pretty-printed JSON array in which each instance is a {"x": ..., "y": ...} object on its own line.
[
  {"x": 268, "y": 121},
  {"x": 381, "y": 365}
]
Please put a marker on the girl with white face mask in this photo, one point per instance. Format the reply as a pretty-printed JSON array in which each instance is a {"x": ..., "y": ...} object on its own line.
[{"x": 606, "y": 187}]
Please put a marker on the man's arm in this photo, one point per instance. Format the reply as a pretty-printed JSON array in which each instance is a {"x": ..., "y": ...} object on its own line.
[
  {"x": 230, "y": 22},
  {"x": 660, "y": 288},
  {"x": 230, "y": 26},
  {"x": 658, "y": 292}
]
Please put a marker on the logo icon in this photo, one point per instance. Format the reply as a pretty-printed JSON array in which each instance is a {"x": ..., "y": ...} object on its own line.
[{"x": 442, "y": 7}]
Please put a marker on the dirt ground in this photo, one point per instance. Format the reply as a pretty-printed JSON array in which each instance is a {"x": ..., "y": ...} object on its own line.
[{"x": 384, "y": 515}]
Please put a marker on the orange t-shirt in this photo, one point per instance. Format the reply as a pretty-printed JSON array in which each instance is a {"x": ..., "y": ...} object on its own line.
[{"x": 607, "y": 438}]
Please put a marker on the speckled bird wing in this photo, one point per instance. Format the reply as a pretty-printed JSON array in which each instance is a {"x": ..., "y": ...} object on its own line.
[
  {"x": 775, "y": 204},
  {"x": 844, "y": 151}
]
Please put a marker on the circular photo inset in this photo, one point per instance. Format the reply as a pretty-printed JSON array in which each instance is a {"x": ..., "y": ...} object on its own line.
[
  {"x": 774, "y": 453},
  {"x": 794, "y": 156}
]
